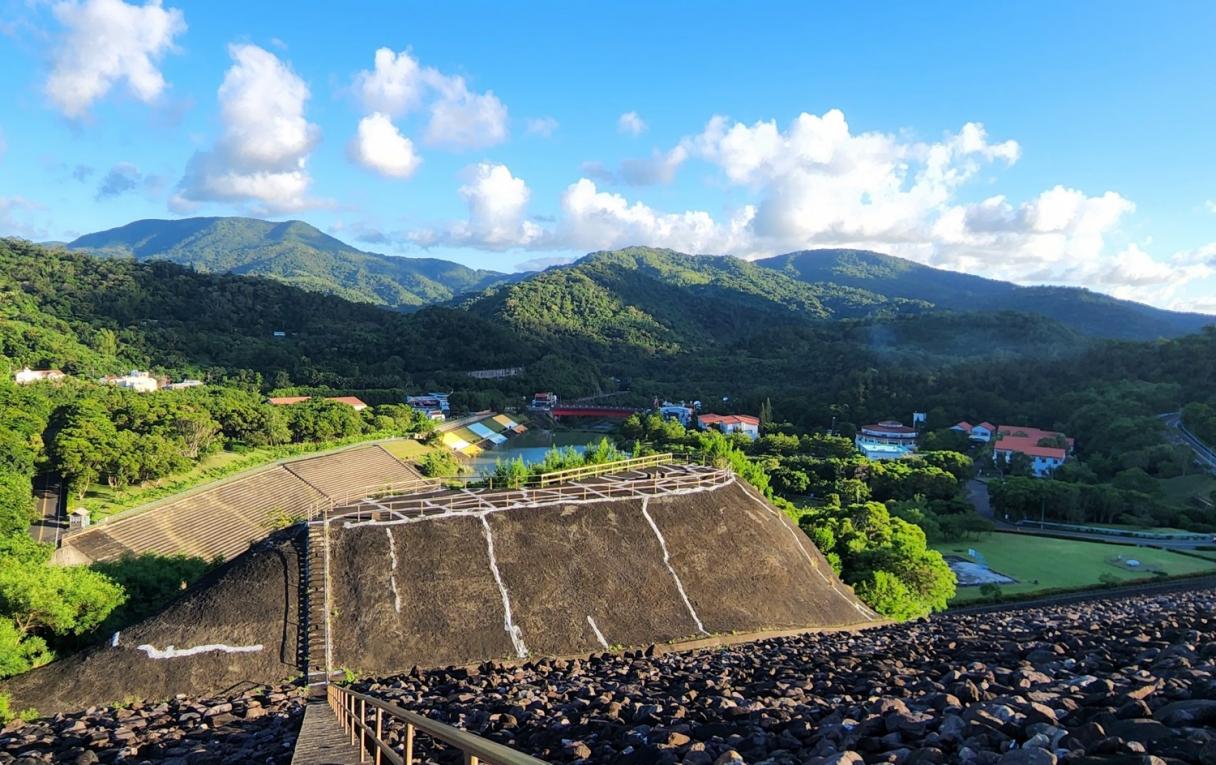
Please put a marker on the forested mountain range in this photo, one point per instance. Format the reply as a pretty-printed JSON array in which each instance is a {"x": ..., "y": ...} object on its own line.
[
  {"x": 292, "y": 252},
  {"x": 898, "y": 279},
  {"x": 658, "y": 299},
  {"x": 659, "y": 322},
  {"x": 641, "y": 321}
]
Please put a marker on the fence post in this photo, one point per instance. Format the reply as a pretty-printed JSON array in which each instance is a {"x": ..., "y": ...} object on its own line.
[
  {"x": 362, "y": 728},
  {"x": 352, "y": 719},
  {"x": 379, "y": 732}
]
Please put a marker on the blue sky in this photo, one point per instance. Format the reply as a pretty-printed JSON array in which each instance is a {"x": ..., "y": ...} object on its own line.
[{"x": 1043, "y": 142}]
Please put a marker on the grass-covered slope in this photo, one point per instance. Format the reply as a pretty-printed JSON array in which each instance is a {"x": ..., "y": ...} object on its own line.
[
  {"x": 896, "y": 278},
  {"x": 292, "y": 252}
]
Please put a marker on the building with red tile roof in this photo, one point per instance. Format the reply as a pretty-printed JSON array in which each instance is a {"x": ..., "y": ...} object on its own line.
[
  {"x": 731, "y": 423},
  {"x": 1046, "y": 449},
  {"x": 981, "y": 432}
]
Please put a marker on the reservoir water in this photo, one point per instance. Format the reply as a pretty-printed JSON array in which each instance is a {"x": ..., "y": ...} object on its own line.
[{"x": 532, "y": 445}]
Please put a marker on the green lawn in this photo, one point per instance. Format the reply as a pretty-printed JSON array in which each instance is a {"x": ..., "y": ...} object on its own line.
[
  {"x": 407, "y": 449},
  {"x": 102, "y": 501},
  {"x": 1042, "y": 563}
]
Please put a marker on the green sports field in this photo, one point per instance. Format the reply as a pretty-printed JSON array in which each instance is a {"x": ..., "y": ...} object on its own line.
[{"x": 1043, "y": 563}]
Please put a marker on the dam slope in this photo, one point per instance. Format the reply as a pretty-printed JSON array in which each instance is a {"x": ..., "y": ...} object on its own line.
[{"x": 504, "y": 576}]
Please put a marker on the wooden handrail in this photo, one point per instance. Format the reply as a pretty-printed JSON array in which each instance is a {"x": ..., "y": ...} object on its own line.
[
  {"x": 478, "y": 499},
  {"x": 603, "y": 468},
  {"x": 350, "y": 707}
]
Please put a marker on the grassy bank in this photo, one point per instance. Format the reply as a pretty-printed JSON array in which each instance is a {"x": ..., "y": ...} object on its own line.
[
  {"x": 103, "y": 501},
  {"x": 1040, "y": 563}
]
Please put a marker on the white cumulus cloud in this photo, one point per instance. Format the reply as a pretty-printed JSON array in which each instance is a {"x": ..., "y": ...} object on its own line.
[
  {"x": 817, "y": 183},
  {"x": 457, "y": 118},
  {"x": 106, "y": 42},
  {"x": 261, "y": 156},
  {"x": 379, "y": 145},
  {"x": 497, "y": 205},
  {"x": 631, "y": 123}
]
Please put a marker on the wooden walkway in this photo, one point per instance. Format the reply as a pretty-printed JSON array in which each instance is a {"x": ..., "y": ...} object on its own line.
[{"x": 321, "y": 740}]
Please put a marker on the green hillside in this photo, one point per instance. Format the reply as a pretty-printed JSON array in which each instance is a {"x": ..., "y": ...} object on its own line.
[
  {"x": 57, "y": 304},
  {"x": 1085, "y": 311},
  {"x": 664, "y": 302},
  {"x": 292, "y": 252}
]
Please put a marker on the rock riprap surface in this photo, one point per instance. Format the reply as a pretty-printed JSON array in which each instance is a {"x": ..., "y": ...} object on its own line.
[
  {"x": 1114, "y": 681},
  {"x": 258, "y": 726}
]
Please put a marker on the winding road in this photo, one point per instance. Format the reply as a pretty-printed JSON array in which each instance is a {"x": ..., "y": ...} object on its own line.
[
  {"x": 1179, "y": 434},
  {"x": 49, "y": 526}
]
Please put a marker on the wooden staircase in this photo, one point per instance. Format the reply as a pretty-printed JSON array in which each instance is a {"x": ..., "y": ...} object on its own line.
[{"x": 313, "y": 623}]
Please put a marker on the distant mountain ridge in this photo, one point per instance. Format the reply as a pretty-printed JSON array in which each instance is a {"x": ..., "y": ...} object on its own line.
[
  {"x": 643, "y": 296},
  {"x": 295, "y": 253},
  {"x": 1086, "y": 311}
]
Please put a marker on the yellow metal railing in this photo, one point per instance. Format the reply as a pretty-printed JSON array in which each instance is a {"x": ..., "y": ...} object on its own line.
[
  {"x": 603, "y": 468},
  {"x": 367, "y": 732}
]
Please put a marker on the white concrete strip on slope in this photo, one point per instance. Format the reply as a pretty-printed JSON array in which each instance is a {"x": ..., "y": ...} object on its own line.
[
  {"x": 667, "y": 562},
  {"x": 176, "y": 653},
  {"x": 831, "y": 580},
  {"x": 513, "y": 631},
  {"x": 598, "y": 635},
  {"x": 392, "y": 576}
]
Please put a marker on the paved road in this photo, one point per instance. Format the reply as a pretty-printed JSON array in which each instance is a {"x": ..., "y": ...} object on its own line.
[
  {"x": 1203, "y": 453},
  {"x": 49, "y": 525}
]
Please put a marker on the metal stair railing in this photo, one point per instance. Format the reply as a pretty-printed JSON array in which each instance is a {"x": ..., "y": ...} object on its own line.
[{"x": 351, "y": 709}]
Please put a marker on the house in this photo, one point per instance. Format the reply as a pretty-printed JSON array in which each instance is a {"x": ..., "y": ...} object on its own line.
[
  {"x": 351, "y": 401},
  {"x": 981, "y": 432},
  {"x": 27, "y": 376},
  {"x": 887, "y": 433},
  {"x": 141, "y": 382},
  {"x": 183, "y": 384},
  {"x": 433, "y": 407},
  {"x": 544, "y": 401},
  {"x": 679, "y": 412},
  {"x": 1046, "y": 449},
  {"x": 731, "y": 423}
]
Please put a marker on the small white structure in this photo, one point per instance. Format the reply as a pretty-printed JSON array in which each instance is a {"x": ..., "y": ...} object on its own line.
[
  {"x": 27, "y": 376},
  {"x": 982, "y": 432},
  {"x": 679, "y": 412},
  {"x": 183, "y": 384},
  {"x": 543, "y": 401},
  {"x": 141, "y": 382},
  {"x": 731, "y": 423},
  {"x": 79, "y": 519}
]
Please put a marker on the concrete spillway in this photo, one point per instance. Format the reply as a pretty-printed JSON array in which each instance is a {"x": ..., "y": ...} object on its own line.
[{"x": 498, "y": 582}]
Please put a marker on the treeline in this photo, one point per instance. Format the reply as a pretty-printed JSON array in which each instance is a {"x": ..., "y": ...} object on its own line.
[
  {"x": 1132, "y": 499},
  {"x": 123, "y": 437}
]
